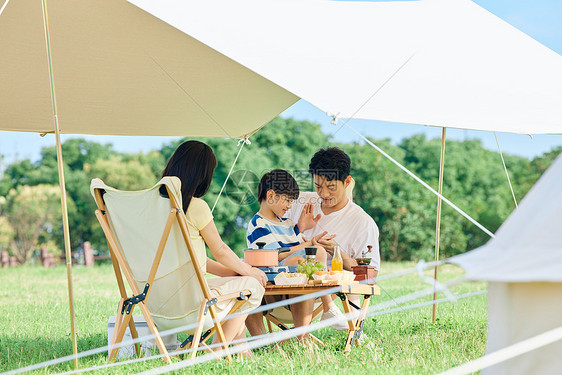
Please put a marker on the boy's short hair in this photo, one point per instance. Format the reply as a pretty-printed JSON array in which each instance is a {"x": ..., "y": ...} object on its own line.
[
  {"x": 280, "y": 181},
  {"x": 332, "y": 163}
]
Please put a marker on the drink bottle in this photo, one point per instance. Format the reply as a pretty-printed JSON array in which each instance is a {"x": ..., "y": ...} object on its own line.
[{"x": 337, "y": 260}]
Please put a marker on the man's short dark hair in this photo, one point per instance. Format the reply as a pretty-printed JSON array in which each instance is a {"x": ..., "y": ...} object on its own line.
[
  {"x": 280, "y": 181},
  {"x": 332, "y": 163}
]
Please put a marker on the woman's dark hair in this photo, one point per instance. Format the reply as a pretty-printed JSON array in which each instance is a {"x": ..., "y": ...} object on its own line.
[
  {"x": 194, "y": 163},
  {"x": 331, "y": 163},
  {"x": 280, "y": 181}
]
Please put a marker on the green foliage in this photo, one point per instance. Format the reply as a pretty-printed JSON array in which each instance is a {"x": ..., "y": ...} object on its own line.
[
  {"x": 51, "y": 247},
  {"x": 404, "y": 211},
  {"x": 122, "y": 174},
  {"x": 84, "y": 160},
  {"x": 32, "y": 212},
  {"x": 6, "y": 232}
]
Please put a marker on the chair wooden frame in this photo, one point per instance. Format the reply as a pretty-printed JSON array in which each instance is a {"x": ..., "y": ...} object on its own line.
[{"x": 126, "y": 305}]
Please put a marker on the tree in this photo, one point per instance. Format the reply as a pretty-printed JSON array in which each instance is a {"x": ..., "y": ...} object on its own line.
[
  {"x": 404, "y": 211},
  {"x": 121, "y": 174},
  {"x": 78, "y": 154},
  {"x": 32, "y": 211},
  {"x": 401, "y": 208},
  {"x": 6, "y": 231}
]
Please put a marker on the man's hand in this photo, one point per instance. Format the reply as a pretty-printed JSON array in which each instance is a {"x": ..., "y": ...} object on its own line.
[
  {"x": 307, "y": 219},
  {"x": 327, "y": 243}
]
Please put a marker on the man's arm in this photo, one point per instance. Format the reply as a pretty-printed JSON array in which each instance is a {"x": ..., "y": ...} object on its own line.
[
  {"x": 348, "y": 261},
  {"x": 370, "y": 237}
]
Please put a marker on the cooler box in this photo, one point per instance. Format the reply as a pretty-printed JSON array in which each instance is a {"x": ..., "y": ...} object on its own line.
[{"x": 147, "y": 346}]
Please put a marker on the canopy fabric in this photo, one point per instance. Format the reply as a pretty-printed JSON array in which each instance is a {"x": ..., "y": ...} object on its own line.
[
  {"x": 434, "y": 62},
  {"x": 120, "y": 71},
  {"x": 528, "y": 246}
]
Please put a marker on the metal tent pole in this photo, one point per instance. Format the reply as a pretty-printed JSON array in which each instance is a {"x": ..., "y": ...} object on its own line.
[
  {"x": 66, "y": 230},
  {"x": 438, "y": 221}
]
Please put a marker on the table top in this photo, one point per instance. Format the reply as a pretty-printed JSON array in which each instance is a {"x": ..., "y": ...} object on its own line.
[{"x": 363, "y": 289}]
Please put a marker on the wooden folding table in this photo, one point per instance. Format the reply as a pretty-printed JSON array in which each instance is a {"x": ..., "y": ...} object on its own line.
[{"x": 342, "y": 290}]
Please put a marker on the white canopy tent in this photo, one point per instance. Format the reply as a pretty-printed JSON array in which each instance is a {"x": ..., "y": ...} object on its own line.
[
  {"x": 523, "y": 267},
  {"x": 433, "y": 62}
]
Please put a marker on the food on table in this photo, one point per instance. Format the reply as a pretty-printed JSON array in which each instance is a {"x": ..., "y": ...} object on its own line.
[
  {"x": 291, "y": 274},
  {"x": 334, "y": 275},
  {"x": 309, "y": 267},
  {"x": 290, "y": 278}
]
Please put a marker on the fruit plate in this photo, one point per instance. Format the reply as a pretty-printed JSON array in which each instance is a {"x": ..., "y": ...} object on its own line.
[
  {"x": 333, "y": 282},
  {"x": 283, "y": 279}
]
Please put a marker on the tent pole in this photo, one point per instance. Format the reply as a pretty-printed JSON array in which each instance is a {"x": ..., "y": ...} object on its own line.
[
  {"x": 438, "y": 220},
  {"x": 66, "y": 230}
]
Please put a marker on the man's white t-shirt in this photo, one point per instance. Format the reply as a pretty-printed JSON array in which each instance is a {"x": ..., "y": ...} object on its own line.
[{"x": 353, "y": 227}]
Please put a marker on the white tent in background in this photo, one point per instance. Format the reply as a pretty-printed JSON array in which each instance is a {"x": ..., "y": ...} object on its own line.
[{"x": 523, "y": 267}]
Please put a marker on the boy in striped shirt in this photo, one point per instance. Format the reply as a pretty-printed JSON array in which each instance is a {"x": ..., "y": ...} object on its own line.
[{"x": 276, "y": 191}]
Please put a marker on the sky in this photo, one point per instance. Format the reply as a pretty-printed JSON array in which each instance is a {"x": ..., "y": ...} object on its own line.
[{"x": 540, "y": 19}]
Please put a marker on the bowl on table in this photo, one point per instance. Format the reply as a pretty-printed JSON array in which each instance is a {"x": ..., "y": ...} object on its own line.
[{"x": 363, "y": 261}]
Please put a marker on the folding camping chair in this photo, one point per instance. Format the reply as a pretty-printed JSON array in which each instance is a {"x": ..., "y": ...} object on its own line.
[{"x": 149, "y": 243}]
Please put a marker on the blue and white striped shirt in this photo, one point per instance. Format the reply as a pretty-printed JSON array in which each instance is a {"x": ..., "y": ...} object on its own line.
[{"x": 275, "y": 234}]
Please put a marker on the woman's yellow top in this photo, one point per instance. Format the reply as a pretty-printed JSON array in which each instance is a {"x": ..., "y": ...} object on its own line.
[{"x": 198, "y": 215}]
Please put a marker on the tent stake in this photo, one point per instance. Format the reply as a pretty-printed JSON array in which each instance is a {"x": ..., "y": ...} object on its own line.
[
  {"x": 438, "y": 220},
  {"x": 66, "y": 230}
]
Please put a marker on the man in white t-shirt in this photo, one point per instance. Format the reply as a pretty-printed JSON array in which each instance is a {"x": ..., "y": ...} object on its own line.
[{"x": 331, "y": 210}]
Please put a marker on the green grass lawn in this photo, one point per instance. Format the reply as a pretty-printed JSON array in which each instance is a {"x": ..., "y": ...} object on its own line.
[{"x": 35, "y": 327}]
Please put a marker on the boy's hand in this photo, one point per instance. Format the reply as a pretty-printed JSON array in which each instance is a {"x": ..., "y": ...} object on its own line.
[
  {"x": 314, "y": 240},
  {"x": 307, "y": 219},
  {"x": 321, "y": 236}
]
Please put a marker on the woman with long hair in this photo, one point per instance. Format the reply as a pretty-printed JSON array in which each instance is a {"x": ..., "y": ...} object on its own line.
[{"x": 193, "y": 163}]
